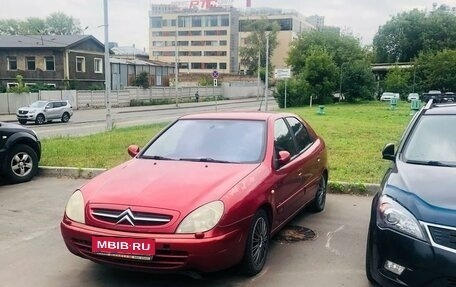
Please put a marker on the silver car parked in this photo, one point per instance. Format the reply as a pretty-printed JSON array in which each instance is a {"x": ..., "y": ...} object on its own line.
[{"x": 45, "y": 111}]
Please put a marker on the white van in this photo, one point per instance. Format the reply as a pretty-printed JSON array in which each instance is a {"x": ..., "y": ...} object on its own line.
[{"x": 386, "y": 96}]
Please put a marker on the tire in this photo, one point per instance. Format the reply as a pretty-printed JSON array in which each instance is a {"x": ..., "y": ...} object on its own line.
[
  {"x": 65, "y": 117},
  {"x": 40, "y": 119},
  {"x": 22, "y": 122},
  {"x": 368, "y": 264},
  {"x": 21, "y": 164},
  {"x": 319, "y": 202},
  {"x": 257, "y": 247}
]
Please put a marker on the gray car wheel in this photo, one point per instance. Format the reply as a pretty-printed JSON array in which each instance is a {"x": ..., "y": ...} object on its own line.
[
  {"x": 40, "y": 119},
  {"x": 65, "y": 117},
  {"x": 21, "y": 164}
]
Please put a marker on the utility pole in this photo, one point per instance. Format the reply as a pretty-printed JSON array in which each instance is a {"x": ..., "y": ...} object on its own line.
[
  {"x": 107, "y": 70},
  {"x": 258, "y": 75},
  {"x": 176, "y": 67},
  {"x": 267, "y": 73}
]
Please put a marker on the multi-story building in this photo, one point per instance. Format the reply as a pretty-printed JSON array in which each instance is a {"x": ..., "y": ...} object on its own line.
[
  {"x": 207, "y": 40},
  {"x": 291, "y": 25},
  {"x": 317, "y": 21}
]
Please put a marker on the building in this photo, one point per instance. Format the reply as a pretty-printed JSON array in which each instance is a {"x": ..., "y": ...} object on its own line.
[
  {"x": 291, "y": 24},
  {"x": 317, "y": 21},
  {"x": 207, "y": 39},
  {"x": 66, "y": 61},
  {"x": 128, "y": 52}
]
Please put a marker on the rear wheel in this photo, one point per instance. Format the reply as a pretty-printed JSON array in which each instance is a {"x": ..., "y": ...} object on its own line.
[
  {"x": 65, "y": 117},
  {"x": 21, "y": 164},
  {"x": 22, "y": 122},
  {"x": 257, "y": 247},
  {"x": 320, "y": 197},
  {"x": 40, "y": 119}
]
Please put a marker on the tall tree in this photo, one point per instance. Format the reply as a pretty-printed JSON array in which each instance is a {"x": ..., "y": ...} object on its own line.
[
  {"x": 260, "y": 30},
  {"x": 407, "y": 34},
  {"x": 55, "y": 24},
  {"x": 357, "y": 81},
  {"x": 437, "y": 71},
  {"x": 398, "y": 80}
]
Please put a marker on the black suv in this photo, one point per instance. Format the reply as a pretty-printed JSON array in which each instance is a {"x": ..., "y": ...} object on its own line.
[
  {"x": 412, "y": 231},
  {"x": 20, "y": 152}
]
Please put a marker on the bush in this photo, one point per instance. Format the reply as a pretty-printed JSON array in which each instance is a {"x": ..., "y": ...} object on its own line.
[
  {"x": 20, "y": 88},
  {"x": 298, "y": 94},
  {"x": 142, "y": 80}
]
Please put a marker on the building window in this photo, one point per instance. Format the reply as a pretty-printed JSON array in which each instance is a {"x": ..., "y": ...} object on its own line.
[
  {"x": 223, "y": 43},
  {"x": 155, "y": 22},
  {"x": 49, "y": 63},
  {"x": 211, "y": 66},
  {"x": 196, "y": 21},
  {"x": 222, "y": 66},
  {"x": 80, "y": 64},
  {"x": 182, "y": 43},
  {"x": 196, "y": 66},
  {"x": 98, "y": 65},
  {"x": 12, "y": 63},
  {"x": 30, "y": 63},
  {"x": 225, "y": 21},
  {"x": 215, "y": 33},
  {"x": 11, "y": 85}
]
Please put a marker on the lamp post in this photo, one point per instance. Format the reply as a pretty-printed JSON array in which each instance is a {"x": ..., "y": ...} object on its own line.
[
  {"x": 107, "y": 69},
  {"x": 267, "y": 74}
]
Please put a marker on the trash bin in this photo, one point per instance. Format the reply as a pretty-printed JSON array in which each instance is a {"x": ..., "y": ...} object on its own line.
[
  {"x": 321, "y": 110},
  {"x": 415, "y": 105},
  {"x": 393, "y": 103}
]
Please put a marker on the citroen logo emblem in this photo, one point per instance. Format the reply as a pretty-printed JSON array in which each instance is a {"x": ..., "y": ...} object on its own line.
[{"x": 126, "y": 215}]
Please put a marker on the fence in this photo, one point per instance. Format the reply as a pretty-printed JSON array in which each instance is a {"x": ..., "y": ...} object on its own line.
[{"x": 9, "y": 103}]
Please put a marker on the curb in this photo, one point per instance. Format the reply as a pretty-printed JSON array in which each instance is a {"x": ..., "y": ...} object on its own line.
[{"x": 335, "y": 187}]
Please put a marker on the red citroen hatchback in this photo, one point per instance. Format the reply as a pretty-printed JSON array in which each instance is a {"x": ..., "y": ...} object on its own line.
[{"x": 205, "y": 194}]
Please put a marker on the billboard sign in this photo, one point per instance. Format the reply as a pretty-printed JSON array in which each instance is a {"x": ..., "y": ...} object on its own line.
[{"x": 282, "y": 74}]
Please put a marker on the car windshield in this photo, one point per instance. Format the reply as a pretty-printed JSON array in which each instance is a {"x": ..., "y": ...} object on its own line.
[
  {"x": 39, "y": 104},
  {"x": 433, "y": 141},
  {"x": 233, "y": 141}
]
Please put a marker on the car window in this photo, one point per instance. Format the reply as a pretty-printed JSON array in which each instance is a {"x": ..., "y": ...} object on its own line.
[
  {"x": 282, "y": 138},
  {"x": 238, "y": 141},
  {"x": 49, "y": 105},
  {"x": 39, "y": 104},
  {"x": 433, "y": 139},
  {"x": 303, "y": 139}
]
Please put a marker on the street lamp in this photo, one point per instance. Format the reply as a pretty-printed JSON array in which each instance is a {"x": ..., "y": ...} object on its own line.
[{"x": 107, "y": 69}]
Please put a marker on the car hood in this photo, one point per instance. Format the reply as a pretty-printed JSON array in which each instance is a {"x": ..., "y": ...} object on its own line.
[
  {"x": 29, "y": 109},
  {"x": 429, "y": 192},
  {"x": 174, "y": 185},
  {"x": 10, "y": 127}
]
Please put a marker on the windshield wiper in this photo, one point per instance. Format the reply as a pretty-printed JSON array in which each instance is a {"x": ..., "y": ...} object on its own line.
[
  {"x": 205, "y": 159},
  {"x": 430, "y": 162},
  {"x": 157, "y": 157}
]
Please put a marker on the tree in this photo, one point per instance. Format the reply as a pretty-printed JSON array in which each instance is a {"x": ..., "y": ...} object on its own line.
[
  {"x": 407, "y": 34},
  {"x": 298, "y": 92},
  {"x": 256, "y": 42},
  {"x": 437, "y": 71},
  {"x": 55, "y": 24},
  {"x": 357, "y": 81},
  {"x": 142, "y": 80},
  {"x": 341, "y": 48},
  {"x": 397, "y": 80},
  {"x": 321, "y": 74}
]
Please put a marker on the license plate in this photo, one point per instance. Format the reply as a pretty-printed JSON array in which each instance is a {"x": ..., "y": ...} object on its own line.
[{"x": 123, "y": 247}]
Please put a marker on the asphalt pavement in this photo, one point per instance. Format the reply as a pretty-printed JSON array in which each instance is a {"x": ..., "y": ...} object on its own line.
[{"x": 32, "y": 252}]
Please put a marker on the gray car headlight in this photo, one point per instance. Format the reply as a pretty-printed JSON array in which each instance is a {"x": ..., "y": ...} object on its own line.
[
  {"x": 394, "y": 216},
  {"x": 202, "y": 219},
  {"x": 75, "y": 207}
]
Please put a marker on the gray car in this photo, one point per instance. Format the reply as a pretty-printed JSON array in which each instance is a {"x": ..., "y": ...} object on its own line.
[{"x": 45, "y": 111}]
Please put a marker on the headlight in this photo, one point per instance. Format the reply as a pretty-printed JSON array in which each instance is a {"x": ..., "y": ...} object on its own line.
[
  {"x": 202, "y": 219},
  {"x": 75, "y": 207},
  {"x": 394, "y": 216}
]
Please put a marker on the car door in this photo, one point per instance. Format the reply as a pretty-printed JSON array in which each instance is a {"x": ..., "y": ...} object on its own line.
[
  {"x": 49, "y": 111},
  {"x": 287, "y": 189},
  {"x": 308, "y": 159}
]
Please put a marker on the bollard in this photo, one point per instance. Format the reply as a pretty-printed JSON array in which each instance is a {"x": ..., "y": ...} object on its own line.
[{"x": 321, "y": 110}]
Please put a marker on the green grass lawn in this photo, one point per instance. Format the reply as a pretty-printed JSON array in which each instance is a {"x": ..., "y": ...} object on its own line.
[{"x": 354, "y": 134}]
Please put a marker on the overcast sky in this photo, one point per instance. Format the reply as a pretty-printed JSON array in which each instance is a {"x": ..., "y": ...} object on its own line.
[{"x": 128, "y": 19}]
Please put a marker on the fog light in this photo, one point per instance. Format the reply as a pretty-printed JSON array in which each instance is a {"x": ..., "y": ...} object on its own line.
[{"x": 393, "y": 267}]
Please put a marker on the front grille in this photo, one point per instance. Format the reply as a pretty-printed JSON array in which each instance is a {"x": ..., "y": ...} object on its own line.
[
  {"x": 128, "y": 217},
  {"x": 162, "y": 260},
  {"x": 23, "y": 112},
  {"x": 444, "y": 237},
  {"x": 443, "y": 282}
]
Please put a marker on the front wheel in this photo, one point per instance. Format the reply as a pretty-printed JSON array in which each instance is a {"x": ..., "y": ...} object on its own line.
[
  {"x": 39, "y": 119},
  {"x": 320, "y": 197},
  {"x": 257, "y": 247},
  {"x": 21, "y": 164}
]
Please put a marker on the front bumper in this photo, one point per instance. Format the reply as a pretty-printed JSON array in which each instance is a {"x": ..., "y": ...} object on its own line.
[
  {"x": 425, "y": 265},
  {"x": 174, "y": 252}
]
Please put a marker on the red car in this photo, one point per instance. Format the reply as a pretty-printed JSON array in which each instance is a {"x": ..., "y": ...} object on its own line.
[{"x": 205, "y": 194}]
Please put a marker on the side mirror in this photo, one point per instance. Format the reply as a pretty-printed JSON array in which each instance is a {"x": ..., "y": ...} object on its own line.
[
  {"x": 388, "y": 152},
  {"x": 133, "y": 150},
  {"x": 284, "y": 157}
]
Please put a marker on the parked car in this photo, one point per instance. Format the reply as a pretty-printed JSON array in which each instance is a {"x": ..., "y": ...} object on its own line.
[
  {"x": 206, "y": 193},
  {"x": 386, "y": 96},
  {"x": 42, "y": 111},
  {"x": 413, "y": 96},
  {"x": 412, "y": 229},
  {"x": 20, "y": 152}
]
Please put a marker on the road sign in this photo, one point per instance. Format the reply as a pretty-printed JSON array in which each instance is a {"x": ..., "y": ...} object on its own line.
[
  {"x": 215, "y": 74},
  {"x": 282, "y": 73},
  {"x": 215, "y": 83}
]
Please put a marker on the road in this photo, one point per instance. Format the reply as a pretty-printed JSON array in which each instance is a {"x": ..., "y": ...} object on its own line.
[
  {"x": 86, "y": 122},
  {"x": 32, "y": 252}
]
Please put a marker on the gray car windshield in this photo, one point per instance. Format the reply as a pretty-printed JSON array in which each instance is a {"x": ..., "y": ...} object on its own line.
[
  {"x": 39, "y": 104},
  {"x": 433, "y": 142},
  {"x": 224, "y": 141}
]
